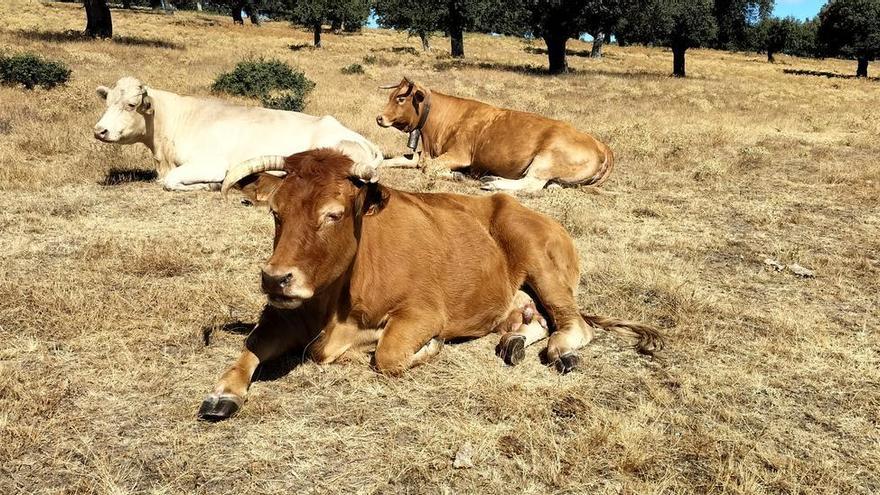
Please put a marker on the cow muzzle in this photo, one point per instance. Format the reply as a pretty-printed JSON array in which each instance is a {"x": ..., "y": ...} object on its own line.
[
  {"x": 101, "y": 133},
  {"x": 380, "y": 119},
  {"x": 284, "y": 288}
]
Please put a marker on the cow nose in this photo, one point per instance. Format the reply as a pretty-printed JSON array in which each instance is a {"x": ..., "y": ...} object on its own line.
[
  {"x": 379, "y": 119},
  {"x": 100, "y": 133},
  {"x": 275, "y": 283}
]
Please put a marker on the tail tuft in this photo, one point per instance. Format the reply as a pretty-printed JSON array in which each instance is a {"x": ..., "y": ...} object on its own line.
[{"x": 646, "y": 338}]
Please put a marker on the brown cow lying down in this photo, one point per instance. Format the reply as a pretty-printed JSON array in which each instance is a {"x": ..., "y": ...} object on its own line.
[
  {"x": 509, "y": 150},
  {"x": 357, "y": 265}
]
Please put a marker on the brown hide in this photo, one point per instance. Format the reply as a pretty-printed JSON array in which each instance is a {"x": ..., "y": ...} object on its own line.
[
  {"x": 494, "y": 141},
  {"x": 441, "y": 265},
  {"x": 358, "y": 265}
]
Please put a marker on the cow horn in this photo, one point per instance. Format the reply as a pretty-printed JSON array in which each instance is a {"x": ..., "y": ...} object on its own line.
[
  {"x": 389, "y": 86},
  {"x": 251, "y": 167},
  {"x": 364, "y": 172}
]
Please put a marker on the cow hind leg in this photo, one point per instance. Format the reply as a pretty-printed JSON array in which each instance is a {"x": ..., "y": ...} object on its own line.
[
  {"x": 523, "y": 327},
  {"x": 538, "y": 174},
  {"x": 555, "y": 291}
]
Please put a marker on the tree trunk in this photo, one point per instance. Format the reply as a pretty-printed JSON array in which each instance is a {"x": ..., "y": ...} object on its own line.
[
  {"x": 98, "y": 21},
  {"x": 251, "y": 13},
  {"x": 862, "y": 69},
  {"x": 556, "y": 52},
  {"x": 770, "y": 57},
  {"x": 598, "y": 41},
  {"x": 426, "y": 43},
  {"x": 678, "y": 61},
  {"x": 336, "y": 26},
  {"x": 317, "y": 29},
  {"x": 456, "y": 29},
  {"x": 236, "y": 12},
  {"x": 199, "y": 5},
  {"x": 155, "y": 4}
]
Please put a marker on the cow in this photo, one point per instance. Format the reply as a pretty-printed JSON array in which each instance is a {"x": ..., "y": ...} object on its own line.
[
  {"x": 357, "y": 266},
  {"x": 195, "y": 140},
  {"x": 507, "y": 149}
]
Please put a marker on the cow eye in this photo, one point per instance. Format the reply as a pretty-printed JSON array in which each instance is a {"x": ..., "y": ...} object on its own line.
[
  {"x": 131, "y": 106},
  {"x": 401, "y": 99},
  {"x": 333, "y": 216}
]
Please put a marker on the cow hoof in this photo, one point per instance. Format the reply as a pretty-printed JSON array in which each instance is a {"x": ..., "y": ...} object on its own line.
[
  {"x": 458, "y": 177},
  {"x": 567, "y": 363},
  {"x": 512, "y": 349},
  {"x": 218, "y": 407},
  {"x": 489, "y": 183}
]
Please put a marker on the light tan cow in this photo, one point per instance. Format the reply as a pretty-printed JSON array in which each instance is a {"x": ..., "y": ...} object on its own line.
[
  {"x": 194, "y": 141},
  {"x": 507, "y": 149},
  {"x": 358, "y": 265}
]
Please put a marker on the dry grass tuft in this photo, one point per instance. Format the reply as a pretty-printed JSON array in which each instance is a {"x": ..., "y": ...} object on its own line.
[{"x": 120, "y": 303}]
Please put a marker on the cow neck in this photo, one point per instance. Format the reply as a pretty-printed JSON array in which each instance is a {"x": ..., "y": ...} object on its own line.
[
  {"x": 416, "y": 131},
  {"x": 434, "y": 132},
  {"x": 160, "y": 128}
]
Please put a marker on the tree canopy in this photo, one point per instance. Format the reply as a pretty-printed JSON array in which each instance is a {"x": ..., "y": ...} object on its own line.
[
  {"x": 424, "y": 17},
  {"x": 851, "y": 28}
]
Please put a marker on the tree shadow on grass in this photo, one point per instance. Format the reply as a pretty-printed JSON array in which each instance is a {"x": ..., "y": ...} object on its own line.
[
  {"x": 533, "y": 70},
  {"x": 822, "y": 73},
  {"x": 116, "y": 176},
  {"x": 543, "y": 51},
  {"x": 70, "y": 36},
  {"x": 301, "y": 46},
  {"x": 408, "y": 50}
]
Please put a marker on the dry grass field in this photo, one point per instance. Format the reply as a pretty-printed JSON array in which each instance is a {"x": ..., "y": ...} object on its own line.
[{"x": 120, "y": 303}]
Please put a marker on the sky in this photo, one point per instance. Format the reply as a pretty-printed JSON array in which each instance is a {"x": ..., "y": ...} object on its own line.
[{"x": 798, "y": 8}]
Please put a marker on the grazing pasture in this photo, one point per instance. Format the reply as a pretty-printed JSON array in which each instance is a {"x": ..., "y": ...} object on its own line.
[{"x": 121, "y": 304}]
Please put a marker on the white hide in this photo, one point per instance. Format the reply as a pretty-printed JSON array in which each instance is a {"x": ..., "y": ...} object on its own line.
[{"x": 195, "y": 140}]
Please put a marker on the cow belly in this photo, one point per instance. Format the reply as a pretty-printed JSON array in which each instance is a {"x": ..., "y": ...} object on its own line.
[
  {"x": 506, "y": 150},
  {"x": 478, "y": 315}
]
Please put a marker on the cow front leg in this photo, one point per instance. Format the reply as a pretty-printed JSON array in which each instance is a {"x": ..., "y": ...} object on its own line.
[
  {"x": 271, "y": 338},
  {"x": 406, "y": 342},
  {"x": 409, "y": 160},
  {"x": 202, "y": 175}
]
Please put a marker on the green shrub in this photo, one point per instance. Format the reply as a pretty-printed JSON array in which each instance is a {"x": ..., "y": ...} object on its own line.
[
  {"x": 275, "y": 83},
  {"x": 353, "y": 69},
  {"x": 31, "y": 70},
  {"x": 285, "y": 100}
]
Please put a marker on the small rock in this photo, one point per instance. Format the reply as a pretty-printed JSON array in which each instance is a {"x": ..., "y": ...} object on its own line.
[
  {"x": 774, "y": 264},
  {"x": 464, "y": 457},
  {"x": 801, "y": 271}
]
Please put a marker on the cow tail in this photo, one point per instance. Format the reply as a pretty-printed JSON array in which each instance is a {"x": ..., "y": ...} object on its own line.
[
  {"x": 646, "y": 338},
  {"x": 604, "y": 170}
]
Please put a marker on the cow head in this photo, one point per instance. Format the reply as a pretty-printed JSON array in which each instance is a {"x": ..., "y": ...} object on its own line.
[
  {"x": 318, "y": 206},
  {"x": 125, "y": 119},
  {"x": 405, "y": 106}
]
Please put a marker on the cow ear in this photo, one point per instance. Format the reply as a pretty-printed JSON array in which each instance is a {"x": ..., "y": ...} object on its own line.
[
  {"x": 102, "y": 92},
  {"x": 147, "y": 104},
  {"x": 418, "y": 96},
  {"x": 375, "y": 198},
  {"x": 259, "y": 188}
]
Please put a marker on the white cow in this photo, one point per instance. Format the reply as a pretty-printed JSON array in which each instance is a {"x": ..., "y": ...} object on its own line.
[{"x": 195, "y": 140}]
